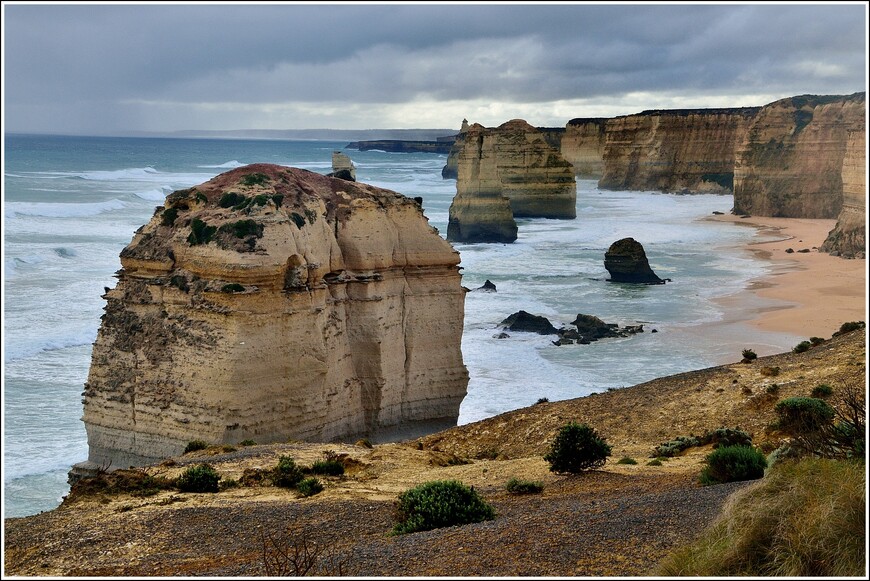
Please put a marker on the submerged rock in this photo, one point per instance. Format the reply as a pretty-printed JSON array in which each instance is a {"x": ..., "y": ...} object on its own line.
[
  {"x": 626, "y": 261},
  {"x": 272, "y": 303}
]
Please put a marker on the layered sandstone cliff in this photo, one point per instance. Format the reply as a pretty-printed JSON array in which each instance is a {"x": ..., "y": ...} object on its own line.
[
  {"x": 583, "y": 146},
  {"x": 848, "y": 238},
  {"x": 451, "y": 169},
  {"x": 677, "y": 150},
  {"x": 273, "y": 303},
  {"x": 790, "y": 161},
  {"x": 479, "y": 212}
]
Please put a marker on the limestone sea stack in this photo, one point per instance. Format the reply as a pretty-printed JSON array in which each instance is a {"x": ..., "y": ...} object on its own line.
[
  {"x": 479, "y": 212},
  {"x": 848, "y": 238},
  {"x": 626, "y": 261},
  {"x": 790, "y": 162},
  {"x": 583, "y": 146},
  {"x": 342, "y": 167},
  {"x": 450, "y": 171},
  {"x": 272, "y": 303}
]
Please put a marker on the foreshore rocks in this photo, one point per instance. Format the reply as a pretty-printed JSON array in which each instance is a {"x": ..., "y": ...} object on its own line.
[
  {"x": 272, "y": 303},
  {"x": 588, "y": 328},
  {"x": 626, "y": 261},
  {"x": 790, "y": 162}
]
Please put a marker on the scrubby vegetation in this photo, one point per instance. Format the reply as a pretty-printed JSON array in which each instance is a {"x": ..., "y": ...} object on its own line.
[
  {"x": 309, "y": 486},
  {"x": 805, "y": 518},
  {"x": 847, "y": 327},
  {"x": 195, "y": 445},
  {"x": 255, "y": 179},
  {"x": 243, "y": 228},
  {"x": 749, "y": 355},
  {"x": 168, "y": 217},
  {"x": 802, "y": 347},
  {"x": 199, "y": 478},
  {"x": 733, "y": 464},
  {"x": 441, "y": 503},
  {"x": 718, "y": 437},
  {"x": 822, "y": 390},
  {"x": 286, "y": 473},
  {"x": 815, "y": 427},
  {"x": 200, "y": 232},
  {"x": 517, "y": 486},
  {"x": 576, "y": 448},
  {"x": 328, "y": 467}
]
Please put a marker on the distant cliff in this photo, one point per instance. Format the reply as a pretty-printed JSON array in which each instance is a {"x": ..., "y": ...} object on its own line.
[
  {"x": 272, "y": 303},
  {"x": 583, "y": 146},
  {"x": 790, "y": 160},
  {"x": 400, "y": 146},
  {"x": 678, "y": 150},
  {"x": 849, "y": 237}
]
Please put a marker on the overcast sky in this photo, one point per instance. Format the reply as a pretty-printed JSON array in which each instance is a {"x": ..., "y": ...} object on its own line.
[{"x": 97, "y": 69}]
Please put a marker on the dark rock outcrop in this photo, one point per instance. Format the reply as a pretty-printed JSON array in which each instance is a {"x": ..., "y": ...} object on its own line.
[
  {"x": 626, "y": 261},
  {"x": 528, "y": 323},
  {"x": 487, "y": 287}
]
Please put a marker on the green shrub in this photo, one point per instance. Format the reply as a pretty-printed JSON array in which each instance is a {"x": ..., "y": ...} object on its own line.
[
  {"x": 627, "y": 460},
  {"x": 802, "y": 347},
  {"x": 200, "y": 232},
  {"x": 576, "y": 448},
  {"x": 230, "y": 199},
  {"x": 654, "y": 462},
  {"x": 243, "y": 228},
  {"x": 675, "y": 446},
  {"x": 311, "y": 215},
  {"x": 328, "y": 467},
  {"x": 200, "y": 197},
  {"x": 542, "y": 400},
  {"x": 749, "y": 355},
  {"x": 254, "y": 179},
  {"x": 286, "y": 473},
  {"x": 805, "y": 519},
  {"x": 195, "y": 445},
  {"x": 441, "y": 503},
  {"x": 516, "y": 486},
  {"x": 722, "y": 437},
  {"x": 822, "y": 390},
  {"x": 277, "y": 199},
  {"x": 733, "y": 464},
  {"x": 247, "y": 443},
  {"x": 816, "y": 341},
  {"x": 803, "y": 414},
  {"x": 309, "y": 486},
  {"x": 200, "y": 478},
  {"x": 169, "y": 215},
  {"x": 847, "y": 327}
]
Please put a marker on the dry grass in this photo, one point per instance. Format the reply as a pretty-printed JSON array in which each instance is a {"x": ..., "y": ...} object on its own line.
[{"x": 805, "y": 518}]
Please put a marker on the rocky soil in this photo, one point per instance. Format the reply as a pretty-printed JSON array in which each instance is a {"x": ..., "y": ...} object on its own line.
[{"x": 616, "y": 521}]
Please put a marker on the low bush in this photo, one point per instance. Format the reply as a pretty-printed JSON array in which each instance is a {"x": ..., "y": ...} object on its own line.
[
  {"x": 517, "y": 486},
  {"x": 733, "y": 464},
  {"x": 309, "y": 486},
  {"x": 243, "y": 228},
  {"x": 802, "y": 347},
  {"x": 247, "y": 443},
  {"x": 169, "y": 215},
  {"x": 673, "y": 447},
  {"x": 847, "y": 327},
  {"x": 822, "y": 390},
  {"x": 804, "y": 519},
  {"x": 441, "y": 503},
  {"x": 200, "y": 232},
  {"x": 195, "y": 445},
  {"x": 654, "y": 462},
  {"x": 627, "y": 460},
  {"x": 542, "y": 400},
  {"x": 749, "y": 355},
  {"x": 199, "y": 478},
  {"x": 255, "y": 179},
  {"x": 286, "y": 473},
  {"x": 231, "y": 199},
  {"x": 577, "y": 447},
  {"x": 328, "y": 468}
]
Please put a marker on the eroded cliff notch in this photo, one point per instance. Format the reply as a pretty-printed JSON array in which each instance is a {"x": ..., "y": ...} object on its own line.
[{"x": 272, "y": 303}]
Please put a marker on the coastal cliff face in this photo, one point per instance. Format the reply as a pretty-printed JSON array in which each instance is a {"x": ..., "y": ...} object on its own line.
[
  {"x": 790, "y": 162},
  {"x": 690, "y": 151},
  {"x": 479, "y": 212},
  {"x": 451, "y": 169},
  {"x": 583, "y": 146},
  {"x": 273, "y": 303},
  {"x": 848, "y": 238}
]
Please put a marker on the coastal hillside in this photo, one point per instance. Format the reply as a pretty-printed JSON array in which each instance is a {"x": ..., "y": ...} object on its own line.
[{"x": 631, "y": 515}]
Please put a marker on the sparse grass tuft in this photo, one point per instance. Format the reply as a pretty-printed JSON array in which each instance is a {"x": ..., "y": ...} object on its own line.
[
  {"x": 517, "y": 486},
  {"x": 804, "y": 519}
]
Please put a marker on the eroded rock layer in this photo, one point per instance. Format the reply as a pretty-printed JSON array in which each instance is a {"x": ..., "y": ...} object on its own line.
[
  {"x": 848, "y": 238},
  {"x": 790, "y": 162},
  {"x": 678, "y": 150},
  {"x": 479, "y": 212},
  {"x": 273, "y": 303},
  {"x": 583, "y": 146}
]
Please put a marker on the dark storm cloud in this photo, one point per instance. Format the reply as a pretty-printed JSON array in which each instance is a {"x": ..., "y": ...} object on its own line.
[{"x": 84, "y": 67}]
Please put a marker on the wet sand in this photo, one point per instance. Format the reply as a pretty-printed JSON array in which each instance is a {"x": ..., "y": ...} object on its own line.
[{"x": 804, "y": 294}]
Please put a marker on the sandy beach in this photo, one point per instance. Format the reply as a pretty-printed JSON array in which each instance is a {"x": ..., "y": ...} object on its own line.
[{"x": 813, "y": 292}]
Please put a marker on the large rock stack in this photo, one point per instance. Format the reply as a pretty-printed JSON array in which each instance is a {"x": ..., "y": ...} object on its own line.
[
  {"x": 273, "y": 303},
  {"x": 849, "y": 236}
]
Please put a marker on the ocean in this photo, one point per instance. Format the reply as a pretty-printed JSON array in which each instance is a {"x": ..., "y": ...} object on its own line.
[{"x": 71, "y": 204}]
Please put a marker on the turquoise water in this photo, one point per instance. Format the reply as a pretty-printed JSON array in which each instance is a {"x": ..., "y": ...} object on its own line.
[{"x": 72, "y": 203}]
